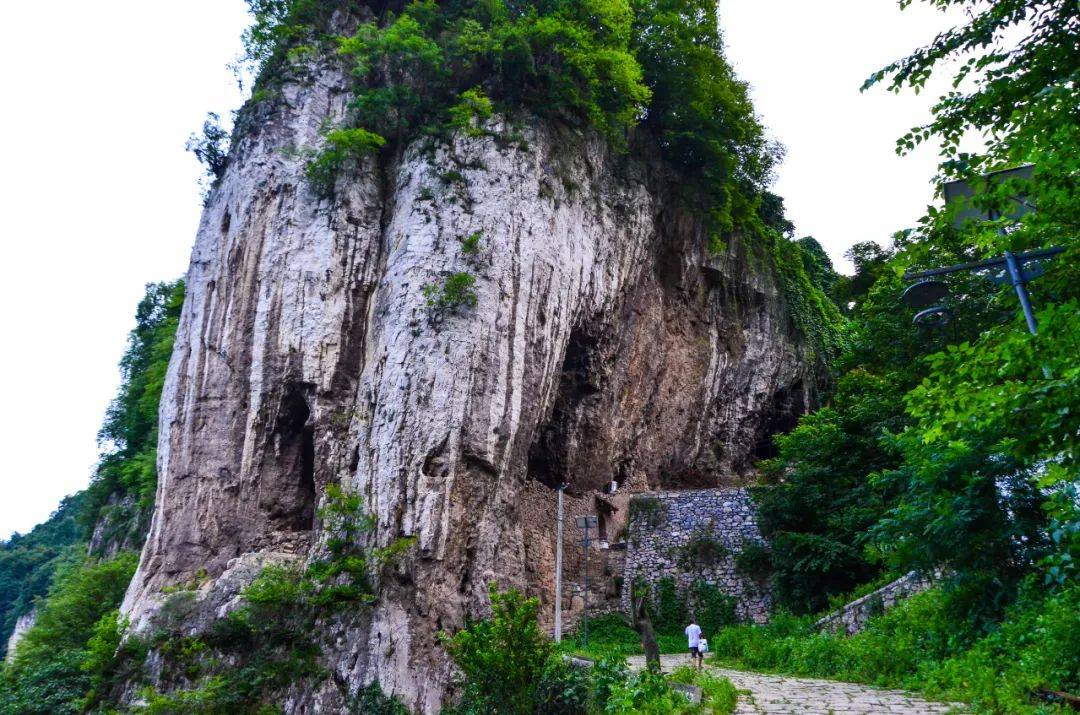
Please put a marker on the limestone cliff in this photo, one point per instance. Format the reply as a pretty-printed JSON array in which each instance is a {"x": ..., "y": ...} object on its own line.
[{"x": 604, "y": 346}]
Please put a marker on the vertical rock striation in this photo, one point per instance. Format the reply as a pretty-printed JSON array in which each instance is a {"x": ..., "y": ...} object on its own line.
[{"x": 604, "y": 345}]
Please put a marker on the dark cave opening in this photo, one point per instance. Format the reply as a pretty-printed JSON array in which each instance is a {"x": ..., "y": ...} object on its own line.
[
  {"x": 549, "y": 455},
  {"x": 783, "y": 414},
  {"x": 294, "y": 506}
]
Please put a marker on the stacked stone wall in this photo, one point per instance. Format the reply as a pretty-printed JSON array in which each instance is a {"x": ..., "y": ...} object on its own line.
[
  {"x": 852, "y": 618},
  {"x": 665, "y": 525}
]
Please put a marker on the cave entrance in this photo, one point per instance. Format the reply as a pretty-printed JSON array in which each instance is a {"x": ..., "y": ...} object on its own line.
[
  {"x": 782, "y": 417},
  {"x": 551, "y": 453},
  {"x": 292, "y": 485}
]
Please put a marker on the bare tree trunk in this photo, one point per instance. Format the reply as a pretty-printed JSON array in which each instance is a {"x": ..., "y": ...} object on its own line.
[{"x": 643, "y": 625}]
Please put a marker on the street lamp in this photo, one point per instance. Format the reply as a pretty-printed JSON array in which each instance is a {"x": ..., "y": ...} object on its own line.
[
  {"x": 928, "y": 294},
  {"x": 1017, "y": 269}
]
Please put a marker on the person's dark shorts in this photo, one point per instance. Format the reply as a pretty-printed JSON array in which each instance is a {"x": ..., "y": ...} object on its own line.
[{"x": 693, "y": 650}]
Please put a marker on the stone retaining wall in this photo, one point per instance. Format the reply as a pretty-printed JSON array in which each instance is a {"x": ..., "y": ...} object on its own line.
[
  {"x": 662, "y": 524},
  {"x": 853, "y": 617}
]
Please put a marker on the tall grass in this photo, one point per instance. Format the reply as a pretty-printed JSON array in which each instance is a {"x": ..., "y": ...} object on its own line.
[{"x": 920, "y": 645}]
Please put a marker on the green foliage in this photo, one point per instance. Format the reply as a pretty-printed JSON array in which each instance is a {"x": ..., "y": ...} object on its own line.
[
  {"x": 59, "y": 660},
  {"x": 718, "y": 695},
  {"x": 425, "y": 68},
  {"x": 344, "y": 148},
  {"x": 28, "y": 561},
  {"x": 925, "y": 644},
  {"x": 507, "y": 665},
  {"x": 267, "y": 644},
  {"x": 971, "y": 470},
  {"x": 373, "y": 701},
  {"x": 470, "y": 245},
  {"x": 818, "y": 266},
  {"x": 110, "y": 660},
  {"x": 817, "y": 513},
  {"x": 645, "y": 510},
  {"x": 243, "y": 661},
  {"x": 700, "y": 113},
  {"x": 564, "y": 689},
  {"x": 455, "y": 292},
  {"x": 212, "y": 148},
  {"x": 701, "y": 551},
  {"x": 471, "y": 111},
  {"x": 714, "y": 609},
  {"x": 646, "y": 693},
  {"x": 280, "y": 26},
  {"x": 667, "y": 609},
  {"x": 561, "y": 57},
  {"x": 815, "y": 316},
  {"x": 48, "y": 565},
  {"x": 128, "y": 437},
  {"x": 609, "y": 635},
  {"x": 754, "y": 560},
  {"x": 502, "y": 658},
  {"x": 1022, "y": 58}
]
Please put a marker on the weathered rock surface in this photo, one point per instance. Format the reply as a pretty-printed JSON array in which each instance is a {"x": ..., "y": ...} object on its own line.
[
  {"x": 24, "y": 623},
  {"x": 598, "y": 349}
]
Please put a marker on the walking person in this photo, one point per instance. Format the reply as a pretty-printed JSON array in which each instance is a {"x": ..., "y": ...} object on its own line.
[{"x": 693, "y": 635}]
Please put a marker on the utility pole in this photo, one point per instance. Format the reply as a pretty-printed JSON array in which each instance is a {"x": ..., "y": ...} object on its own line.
[{"x": 558, "y": 567}]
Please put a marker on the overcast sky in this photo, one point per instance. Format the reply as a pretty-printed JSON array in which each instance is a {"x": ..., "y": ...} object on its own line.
[{"x": 98, "y": 196}]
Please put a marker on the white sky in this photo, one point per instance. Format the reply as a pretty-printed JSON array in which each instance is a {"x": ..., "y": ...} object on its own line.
[
  {"x": 841, "y": 179},
  {"x": 98, "y": 196}
]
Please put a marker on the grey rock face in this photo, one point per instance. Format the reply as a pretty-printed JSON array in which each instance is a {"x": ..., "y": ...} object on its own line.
[
  {"x": 23, "y": 624},
  {"x": 598, "y": 349}
]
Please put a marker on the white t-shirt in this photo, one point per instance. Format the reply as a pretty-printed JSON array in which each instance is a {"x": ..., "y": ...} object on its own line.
[{"x": 693, "y": 632}]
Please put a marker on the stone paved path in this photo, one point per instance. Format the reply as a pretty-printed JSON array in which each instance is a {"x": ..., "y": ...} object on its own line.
[{"x": 783, "y": 694}]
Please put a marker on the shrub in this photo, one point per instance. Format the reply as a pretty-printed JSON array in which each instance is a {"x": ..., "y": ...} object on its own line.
[
  {"x": 59, "y": 659},
  {"x": 608, "y": 673},
  {"x": 718, "y": 695},
  {"x": 754, "y": 560},
  {"x": 373, "y": 701},
  {"x": 212, "y": 148},
  {"x": 470, "y": 245},
  {"x": 473, "y": 108},
  {"x": 503, "y": 658},
  {"x": 456, "y": 292},
  {"x": 344, "y": 147},
  {"x": 714, "y": 608},
  {"x": 563, "y": 688},
  {"x": 647, "y": 510},
  {"x": 667, "y": 610},
  {"x": 921, "y": 645},
  {"x": 644, "y": 693},
  {"x": 701, "y": 551},
  {"x": 268, "y": 643}
]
